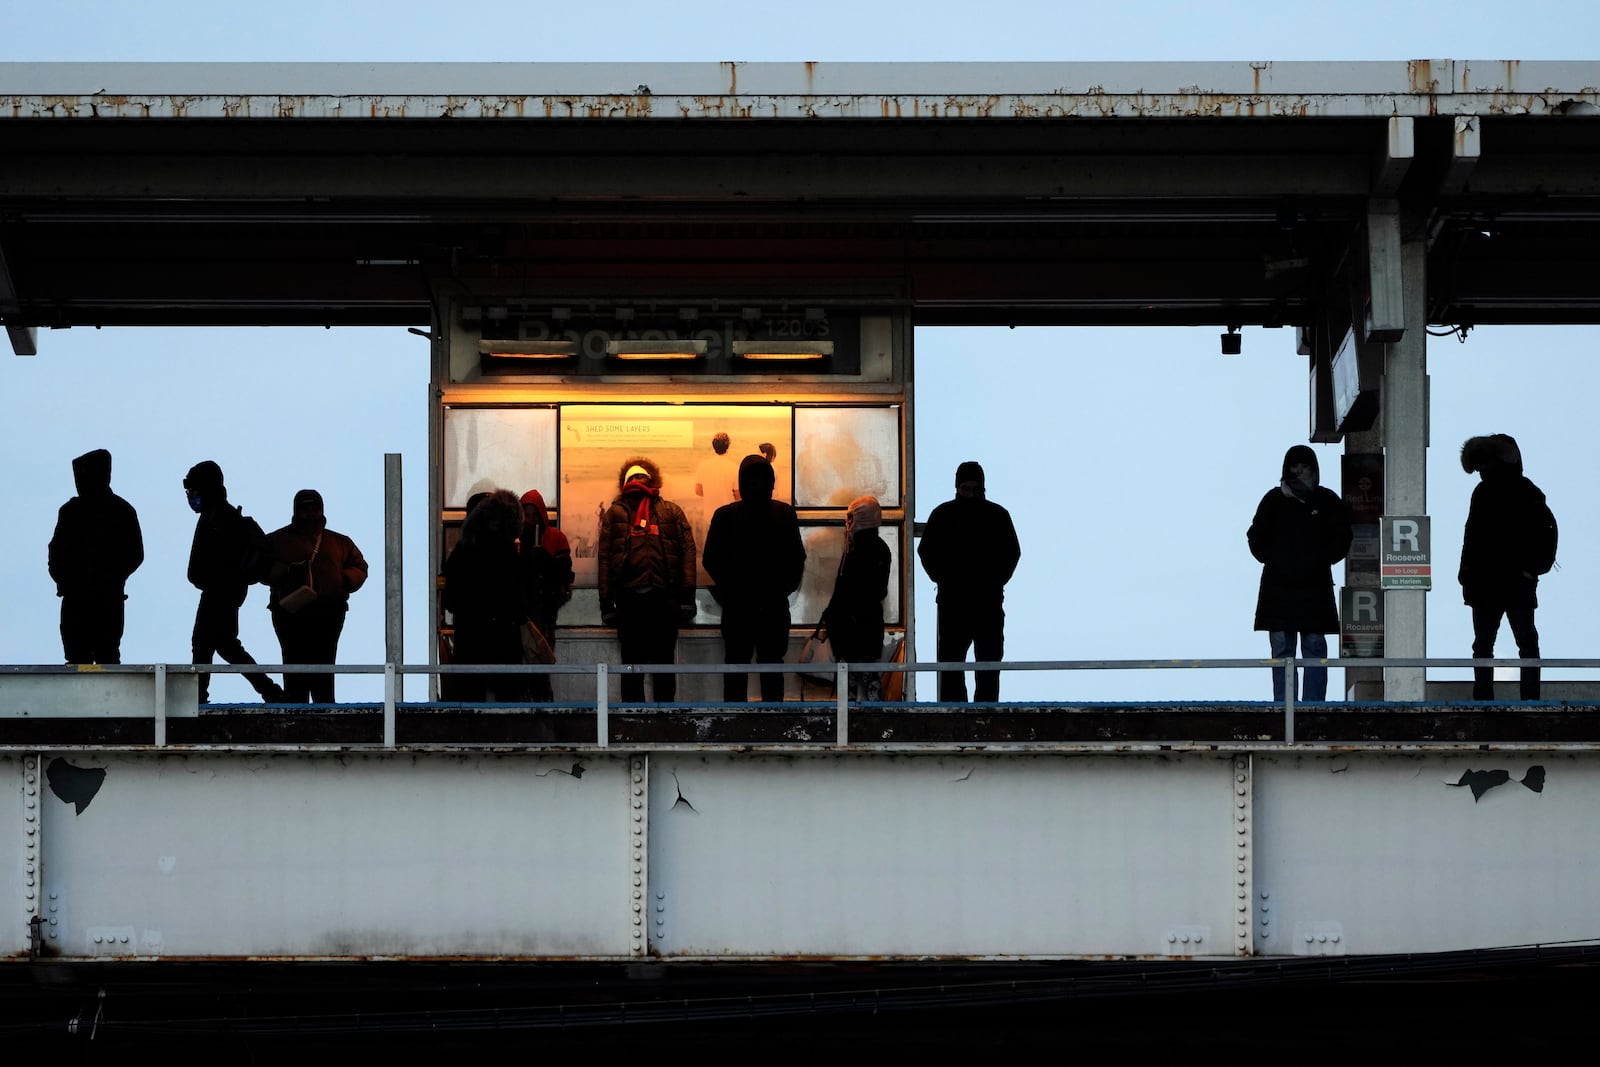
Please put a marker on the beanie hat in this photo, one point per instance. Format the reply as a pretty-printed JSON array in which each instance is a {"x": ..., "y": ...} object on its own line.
[
  {"x": 970, "y": 471},
  {"x": 203, "y": 477},
  {"x": 308, "y": 497},
  {"x": 1300, "y": 454}
]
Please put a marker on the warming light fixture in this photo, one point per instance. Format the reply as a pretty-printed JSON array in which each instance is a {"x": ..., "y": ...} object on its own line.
[
  {"x": 783, "y": 350},
  {"x": 663, "y": 349},
  {"x": 528, "y": 349}
]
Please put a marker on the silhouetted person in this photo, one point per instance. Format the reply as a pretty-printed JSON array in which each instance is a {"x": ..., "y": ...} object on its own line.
[
  {"x": 647, "y": 575},
  {"x": 95, "y": 547},
  {"x": 307, "y": 553},
  {"x": 854, "y": 615},
  {"x": 217, "y": 567},
  {"x": 1300, "y": 530},
  {"x": 546, "y": 558},
  {"x": 1510, "y": 540},
  {"x": 754, "y": 555},
  {"x": 483, "y": 594},
  {"x": 969, "y": 548}
]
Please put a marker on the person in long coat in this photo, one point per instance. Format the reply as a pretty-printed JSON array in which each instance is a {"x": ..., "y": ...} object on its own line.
[
  {"x": 1510, "y": 539},
  {"x": 483, "y": 594},
  {"x": 546, "y": 558},
  {"x": 1300, "y": 530},
  {"x": 307, "y": 553},
  {"x": 854, "y": 615},
  {"x": 754, "y": 555},
  {"x": 647, "y": 575},
  {"x": 96, "y": 546}
]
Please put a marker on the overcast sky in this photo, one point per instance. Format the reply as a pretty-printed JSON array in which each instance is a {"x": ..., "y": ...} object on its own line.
[{"x": 1131, "y": 459}]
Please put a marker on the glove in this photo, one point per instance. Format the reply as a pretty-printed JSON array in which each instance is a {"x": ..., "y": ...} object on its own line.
[
  {"x": 608, "y": 612},
  {"x": 687, "y": 612}
]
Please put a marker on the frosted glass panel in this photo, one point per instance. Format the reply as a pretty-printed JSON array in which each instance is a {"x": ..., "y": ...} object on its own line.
[
  {"x": 843, "y": 453},
  {"x": 499, "y": 448},
  {"x": 823, "y": 547}
]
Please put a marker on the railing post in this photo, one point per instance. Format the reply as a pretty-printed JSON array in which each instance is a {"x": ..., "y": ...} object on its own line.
[
  {"x": 161, "y": 705},
  {"x": 1291, "y": 681},
  {"x": 841, "y": 683},
  {"x": 389, "y": 690},
  {"x": 393, "y": 557},
  {"x": 602, "y": 707}
]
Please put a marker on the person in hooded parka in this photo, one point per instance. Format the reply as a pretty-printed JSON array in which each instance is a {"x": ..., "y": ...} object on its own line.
[
  {"x": 97, "y": 545},
  {"x": 647, "y": 575},
  {"x": 1300, "y": 530},
  {"x": 483, "y": 594},
  {"x": 1510, "y": 539},
  {"x": 854, "y": 615},
  {"x": 754, "y": 555},
  {"x": 546, "y": 558}
]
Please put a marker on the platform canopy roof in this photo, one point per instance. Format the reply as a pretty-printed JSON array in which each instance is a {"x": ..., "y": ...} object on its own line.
[{"x": 966, "y": 193}]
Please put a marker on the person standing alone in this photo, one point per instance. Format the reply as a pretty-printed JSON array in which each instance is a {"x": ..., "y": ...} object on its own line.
[
  {"x": 1300, "y": 530},
  {"x": 969, "y": 548},
  {"x": 754, "y": 555},
  {"x": 96, "y": 547},
  {"x": 1509, "y": 541}
]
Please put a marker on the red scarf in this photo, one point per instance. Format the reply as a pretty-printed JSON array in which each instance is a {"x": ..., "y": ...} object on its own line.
[{"x": 641, "y": 518}]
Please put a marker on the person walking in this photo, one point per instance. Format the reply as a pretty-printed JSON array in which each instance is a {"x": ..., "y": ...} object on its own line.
[
  {"x": 854, "y": 615},
  {"x": 969, "y": 548},
  {"x": 314, "y": 570},
  {"x": 546, "y": 558},
  {"x": 220, "y": 564},
  {"x": 1300, "y": 530},
  {"x": 1509, "y": 541},
  {"x": 483, "y": 594},
  {"x": 754, "y": 555},
  {"x": 96, "y": 546},
  {"x": 647, "y": 575}
]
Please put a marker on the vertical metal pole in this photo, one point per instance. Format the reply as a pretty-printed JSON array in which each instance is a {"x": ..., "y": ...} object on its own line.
[
  {"x": 842, "y": 688},
  {"x": 391, "y": 689},
  {"x": 393, "y": 565},
  {"x": 1405, "y": 473},
  {"x": 161, "y": 705},
  {"x": 602, "y": 707},
  {"x": 1290, "y": 683}
]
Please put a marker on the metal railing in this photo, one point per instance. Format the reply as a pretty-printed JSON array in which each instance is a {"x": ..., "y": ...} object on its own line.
[{"x": 840, "y": 700}]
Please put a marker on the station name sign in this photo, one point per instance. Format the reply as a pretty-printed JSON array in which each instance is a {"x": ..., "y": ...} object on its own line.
[{"x": 1405, "y": 556}]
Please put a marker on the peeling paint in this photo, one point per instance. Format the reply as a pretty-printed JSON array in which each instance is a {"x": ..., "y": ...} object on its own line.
[
  {"x": 74, "y": 785},
  {"x": 1480, "y": 782}
]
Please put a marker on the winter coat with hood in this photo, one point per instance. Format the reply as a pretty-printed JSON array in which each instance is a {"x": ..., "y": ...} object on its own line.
[
  {"x": 307, "y": 552},
  {"x": 482, "y": 586},
  {"x": 97, "y": 542},
  {"x": 546, "y": 557},
  {"x": 1299, "y": 532},
  {"x": 221, "y": 536},
  {"x": 753, "y": 550},
  {"x": 661, "y": 556},
  {"x": 1510, "y": 536},
  {"x": 969, "y": 548}
]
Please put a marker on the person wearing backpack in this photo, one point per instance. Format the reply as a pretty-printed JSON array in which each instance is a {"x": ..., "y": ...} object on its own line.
[
  {"x": 1509, "y": 541},
  {"x": 228, "y": 555}
]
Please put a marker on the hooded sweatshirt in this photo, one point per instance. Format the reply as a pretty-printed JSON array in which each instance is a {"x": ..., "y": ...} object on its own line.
[
  {"x": 97, "y": 542},
  {"x": 1510, "y": 536},
  {"x": 753, "y": 549}
]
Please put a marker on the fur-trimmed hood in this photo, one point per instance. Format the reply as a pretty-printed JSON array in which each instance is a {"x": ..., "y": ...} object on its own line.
[
  {"x": 496, "y": 520},
  {"x": 640, "y": 461},
  {"x": 1491, "y": 454}
]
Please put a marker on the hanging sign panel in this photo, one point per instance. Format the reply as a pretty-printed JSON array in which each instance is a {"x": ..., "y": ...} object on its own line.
[{"x": 1405, "y": 552}]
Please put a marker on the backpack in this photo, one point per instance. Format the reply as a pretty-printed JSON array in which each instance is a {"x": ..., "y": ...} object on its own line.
[
  {"x": 1542, "y": 539},
  {"x": 257, "y": 558}
]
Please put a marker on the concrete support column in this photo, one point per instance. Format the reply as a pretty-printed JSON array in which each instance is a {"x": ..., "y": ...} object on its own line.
[{"x": 1405, "y": 474}]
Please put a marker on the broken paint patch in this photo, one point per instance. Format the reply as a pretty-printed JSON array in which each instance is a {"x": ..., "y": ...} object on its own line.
[
  {"x": 74, "y": 785},
  {"x": 1480, "y": 782}
]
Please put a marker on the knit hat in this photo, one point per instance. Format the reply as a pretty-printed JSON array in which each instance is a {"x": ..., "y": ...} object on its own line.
[
  {"x": 1300, "y": 454},
  {"x": 633, "y": 472},
  {"x": 308, "y": 498},
  {"x": 970, "y": 471},
  {"x": 203, "y": 477},
  {"x": 864, "y": 513}
]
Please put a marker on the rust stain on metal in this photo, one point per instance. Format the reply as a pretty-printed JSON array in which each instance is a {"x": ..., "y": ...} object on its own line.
[
  {"x": 733, "y": 76},
  {"x": 811, "y": 77},
  {"x": 1419, "y": 74}
]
